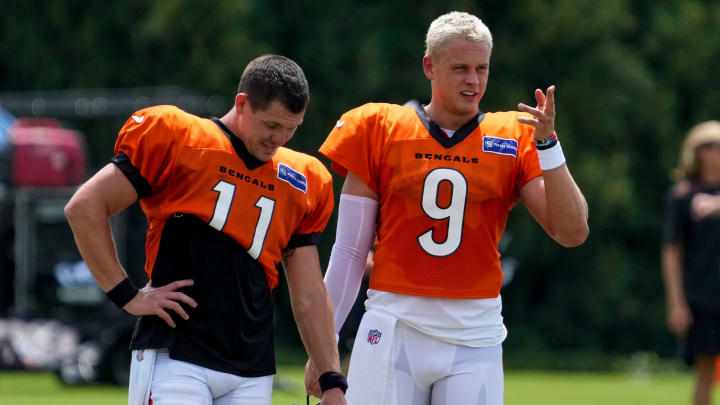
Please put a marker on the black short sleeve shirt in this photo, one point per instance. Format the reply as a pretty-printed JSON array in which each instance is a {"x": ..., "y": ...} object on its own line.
[{"x": 700, "y": 240}]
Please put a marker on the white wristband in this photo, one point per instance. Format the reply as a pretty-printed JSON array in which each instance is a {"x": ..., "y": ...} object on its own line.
[{"x": 551, "y": 158}]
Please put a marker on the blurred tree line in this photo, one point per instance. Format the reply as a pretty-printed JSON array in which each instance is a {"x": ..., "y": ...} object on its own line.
[{"x": 632, "y": 77}]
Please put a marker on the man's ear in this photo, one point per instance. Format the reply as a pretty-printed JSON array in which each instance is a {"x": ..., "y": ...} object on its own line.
[
  {"x": 428, "y": 67},
  {"x": 241, "y": 102}
]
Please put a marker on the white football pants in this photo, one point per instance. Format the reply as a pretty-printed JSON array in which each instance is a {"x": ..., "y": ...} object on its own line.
[
  {"x": 165, "y": 381},
  {"x": 424, "y": 371}
]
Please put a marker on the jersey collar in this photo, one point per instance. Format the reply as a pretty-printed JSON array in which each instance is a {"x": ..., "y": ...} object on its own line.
[
  {"x": 250, "y": 161},
  {"x": 439, "y": 135}
]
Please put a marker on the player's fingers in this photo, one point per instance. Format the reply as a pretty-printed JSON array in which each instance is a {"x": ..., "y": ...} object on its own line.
[
  {"x": 177, "y": 284},
  {"x": 550, "y": 101},
  {"x": 165, "y": 317},
  {"x": 539, "y": 120},
  {"x": 314, "y": 390},
  {"x": 184, "y": 298},
  {"x": 310, "y": 382},
  {"x": 172, "y": 305},
  {"x": 539, "y": 97},
  {"x": 535, "y": 112},
  {"x": 312, "y": 385},
  {"x": 529, "y": 121}
]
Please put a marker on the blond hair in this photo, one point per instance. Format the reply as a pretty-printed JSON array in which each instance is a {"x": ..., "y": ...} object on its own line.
[
  {"x": 701, "y": 134},
  {"x": 455, "y": 25}
]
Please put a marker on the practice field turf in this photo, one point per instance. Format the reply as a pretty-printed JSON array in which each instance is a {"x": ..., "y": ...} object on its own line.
[{"x": 521, "y": 388}]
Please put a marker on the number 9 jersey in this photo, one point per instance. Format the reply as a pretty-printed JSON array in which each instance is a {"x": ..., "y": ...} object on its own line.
[{"x": 444, "y": 201}]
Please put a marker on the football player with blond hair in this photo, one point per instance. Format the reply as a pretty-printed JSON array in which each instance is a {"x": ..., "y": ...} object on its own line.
[{"x": 432, "y": 186}]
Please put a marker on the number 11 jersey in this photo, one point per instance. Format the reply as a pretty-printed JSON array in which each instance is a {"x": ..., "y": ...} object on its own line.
[{"x": 221, "y": 217}]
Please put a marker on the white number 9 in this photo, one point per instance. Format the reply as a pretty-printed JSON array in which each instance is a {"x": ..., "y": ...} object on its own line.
[{"x": 454, "y": 212}]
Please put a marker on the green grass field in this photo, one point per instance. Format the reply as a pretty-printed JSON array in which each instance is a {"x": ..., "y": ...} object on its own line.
[{"x": 521, "y": 388}]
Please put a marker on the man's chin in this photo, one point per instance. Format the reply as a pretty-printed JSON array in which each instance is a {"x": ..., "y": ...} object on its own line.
[
  {"x": 263, "y": 157},
  {"x": 468, "y": 109}
]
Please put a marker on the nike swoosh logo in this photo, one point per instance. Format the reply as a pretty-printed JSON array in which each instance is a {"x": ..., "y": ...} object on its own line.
[
  {"x": 340, "y": 123},
  {"x": 138, "y": 119}
]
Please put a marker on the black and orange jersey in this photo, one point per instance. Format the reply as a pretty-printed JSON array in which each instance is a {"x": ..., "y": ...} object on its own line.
[
  {"x": 221, "y": 217},
  {"x": 444, "y": 201},
  {"x": 197, "y": 167}
]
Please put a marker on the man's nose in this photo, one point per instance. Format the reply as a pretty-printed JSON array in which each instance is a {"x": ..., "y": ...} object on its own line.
[
  {"x": 281, "y": 137},
  {"x": 473, "y": 78}
]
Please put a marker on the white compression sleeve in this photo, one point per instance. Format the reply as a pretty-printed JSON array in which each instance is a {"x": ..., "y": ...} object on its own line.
[{"x": 354, "y": 237}]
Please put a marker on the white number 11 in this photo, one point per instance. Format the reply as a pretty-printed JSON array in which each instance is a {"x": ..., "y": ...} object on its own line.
[{"x": 226, "y": 192}]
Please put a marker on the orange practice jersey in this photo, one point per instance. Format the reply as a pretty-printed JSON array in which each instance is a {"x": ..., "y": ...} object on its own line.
[
  {"x": 444, "y": 200},
  {"x": 195, "y": 166}
]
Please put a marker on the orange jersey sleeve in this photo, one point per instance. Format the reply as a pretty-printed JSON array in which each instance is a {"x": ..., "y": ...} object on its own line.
[
  {"x": 320, "y": 200},
  {"x": 443, "y": 201},
  {"x": 147, "y": 138},
  {"x": 360, "y": 152}
]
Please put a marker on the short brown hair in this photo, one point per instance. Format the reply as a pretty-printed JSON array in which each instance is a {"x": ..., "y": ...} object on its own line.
[{"x": 268, "y": 78}]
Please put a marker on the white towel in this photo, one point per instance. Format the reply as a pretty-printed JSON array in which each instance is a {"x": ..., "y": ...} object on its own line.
[
  {"x": 141, "y": 372},
  {"x": 371, "y": 374}
]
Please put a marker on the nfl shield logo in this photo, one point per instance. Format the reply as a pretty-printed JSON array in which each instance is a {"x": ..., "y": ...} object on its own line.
[{"x": 374, "y": 336}]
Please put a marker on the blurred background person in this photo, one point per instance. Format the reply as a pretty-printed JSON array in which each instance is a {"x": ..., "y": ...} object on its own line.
[{"x": 691, "y": 254}]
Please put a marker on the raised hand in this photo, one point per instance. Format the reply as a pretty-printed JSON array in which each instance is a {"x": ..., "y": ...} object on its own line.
[
  {"x": 543, "y": 115},
  {"x": 157, "y": 301}
]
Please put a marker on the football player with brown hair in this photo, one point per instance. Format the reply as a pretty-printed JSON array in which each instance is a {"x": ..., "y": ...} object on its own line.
[{"x": 225, "y": 203}]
